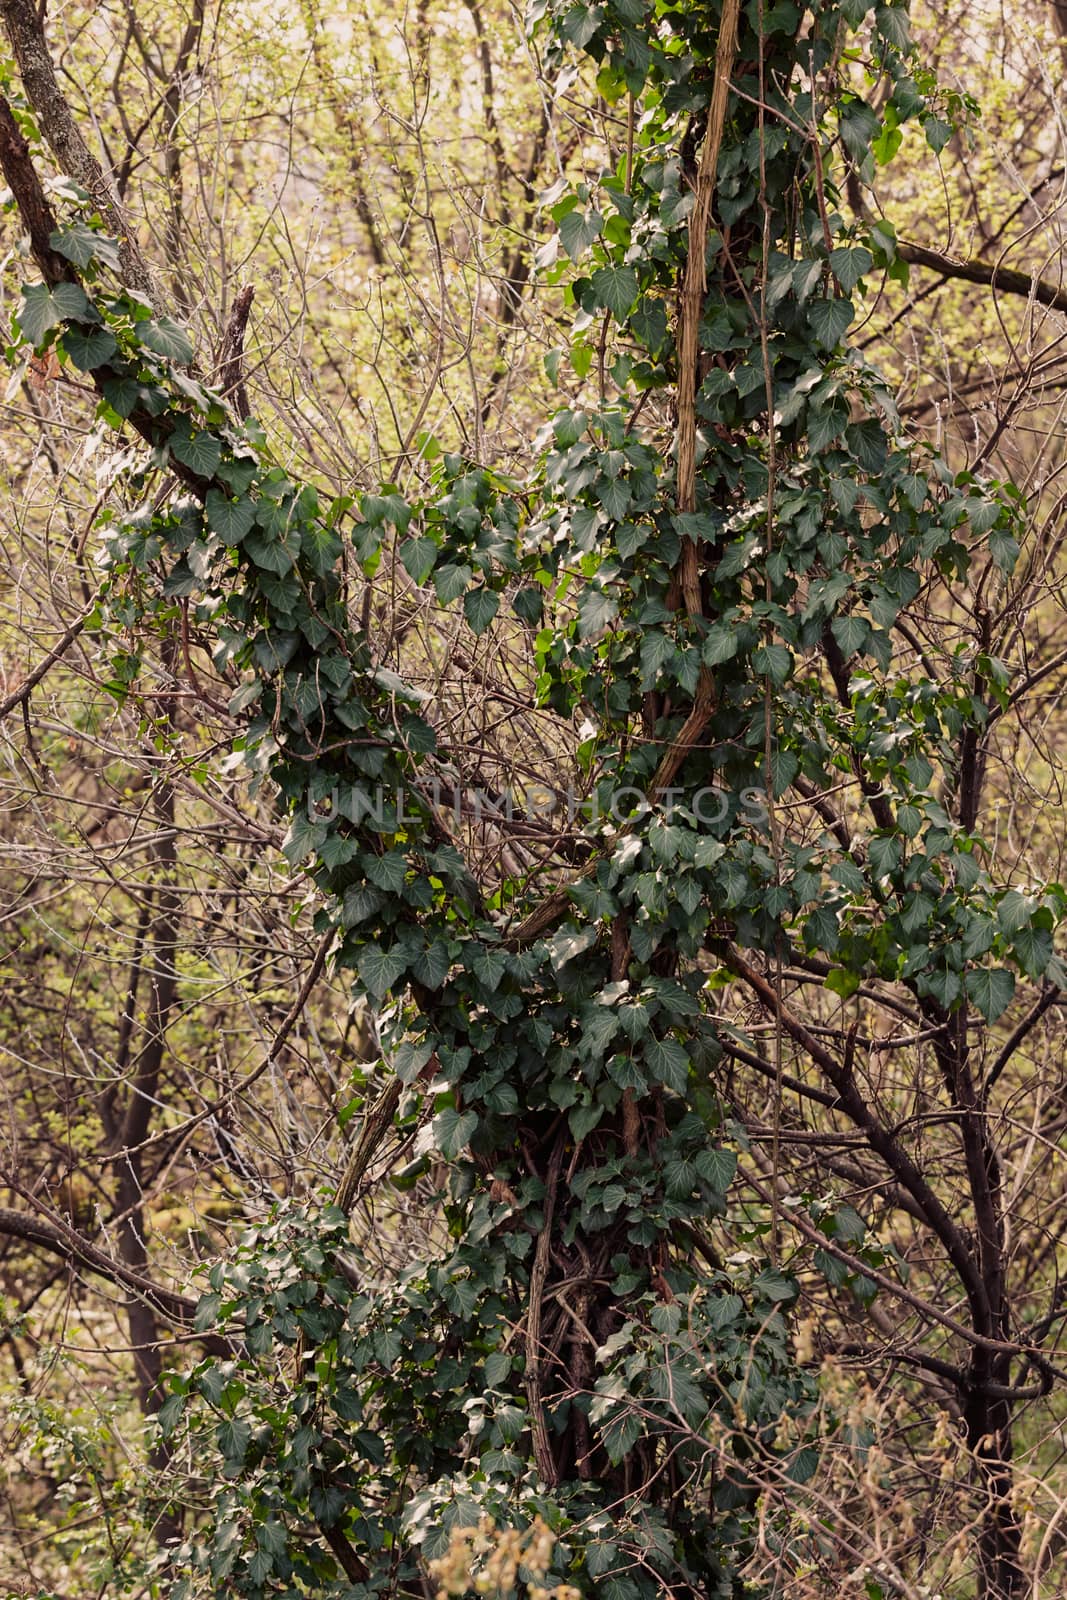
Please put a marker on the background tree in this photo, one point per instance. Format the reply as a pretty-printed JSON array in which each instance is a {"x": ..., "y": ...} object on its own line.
[{"x": 811, "y": 608}]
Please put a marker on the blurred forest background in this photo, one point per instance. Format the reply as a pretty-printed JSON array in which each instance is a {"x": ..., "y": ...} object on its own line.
[{"x": 377, "y": 177}]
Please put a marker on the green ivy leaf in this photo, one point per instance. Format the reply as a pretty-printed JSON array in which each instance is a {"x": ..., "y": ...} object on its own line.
[
  {"x": 596, "y": 612},
  {"x": 452, "y": 1130},
  {"x": 82, "y": 245},
  {"x": 667, "y": 1063},
  {"x": 718, "y": 1168},
  {"x": 1004, "y": 549},
  {"x": 578, "y": 229},
  {"x": 418, "y": 557},
  {"x": 892, "y": 24},
  {"x": 230, "y": 519},
  {"x": 851, "y": 633},
  {"x": 528, "y": 605},
  {"x": 829, "y": 320},
  {"x": 432, "y": 965},
  {"x": 616, "y": 288},
  {"x": 480, "y": 606},
  {"x": 88, "y": 348},
  {"x": 773, "y": 661},
  {"x": 233, "y": 1438},
  {"x": 991, "y": 990},
  {"x": 41, "y": 309},
  {"x": 850, "y": 265},
  {"x": 379, "y": 969},
  {"x": 166, "y": 338},
  {"x": 170, "y": 1412},
  {"x": 1033, "y": 950},
  {"x": 123, "y": 395},
  {"x": 321, "y": 546},
  {"x": 201, "y": 452},
  {"x": 451, "y": 581},
  {"x": 583, "y": 1119}
]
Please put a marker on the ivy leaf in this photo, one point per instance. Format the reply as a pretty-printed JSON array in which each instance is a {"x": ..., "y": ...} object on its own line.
[
  {"x": 774, "y": 660},
  {"x": 619, "y": 1437},
  {"x": 480, "y": 606},
  {"x": 991, "y": 989},
  {"x": 452, "y": 1130},
  {"x": 720, "y": 644},
  {"x": 419, "y": 557},
  {"x": 849, "y": 266},
  {"x": 233, "y": 1438},
  {"x": 72, "y": 303},
  {"x": 937, "y": 133},
  {"x": 166, "y": 338},
  {"x": 829, "y": 319},
  {"x": 528, "y": 605},
  {"x": 784, "y": 767},
  {"x": 42, "y": 308},
  {"x": 269, "y": 555},
  {"x": 614, "y": 495},
  {"x": 432, "y": 965},
  {"x": 656, "y": 650},
  {"x": 336, "y": 851},
  {"x": 260, "y": 1567},
  {"x": 803, "y": 1465},
  {"x": 892, "y": 24},
  {"x": 1004, "y": 549},
  {"x": 859, "y": 123},
  {"x": 885, "y": 147},
  {"x": 360, "y": 902},
  {"x": 649, "y": 324},
  {"x": 83, "y": 245},
  {"x": 497, "y": 1366},
  {"x": 451, "y": 581},
  {"x": 122, "y": 394},
  {"x": 583, "y": 1119},
  {"x": 230, "y": 519},
  {"x": 321, "y": 546},
  {"x": 944, "y": 985},
  {"x": 667, "y": 1063},
  {"x": 851, "y": 634},
  {"x": 379, "y": 969},
  {"x": 843, "y": 982},
  {"x": 615, "y": 288},
  {"x": 88, "y": 348},
  {"x": 1033, "y": 950},
  {"x": 578, "y": 229},
  {"x": 170, "y": 1412},
  {"x": 389, "y": 872},
  {"x": 200, "y": 451},
  {"x": 596, "y": 611},
  {"x": 718, "y": 1168}
]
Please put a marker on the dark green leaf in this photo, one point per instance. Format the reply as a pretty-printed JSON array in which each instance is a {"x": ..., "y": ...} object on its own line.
[
  {"x": 615, "y": 288},
  {"x": 88, "y": 348},
  {"x": 166, "y": 338},
  {"x": 230, "y": 519},
  {"x": 452, "y": 1130},
  {"x": 201, "y": 452},
  {"x": 83, "y": 245},
  {"x": 991, "y": 989},
  {"x": 480, "y": 606},
  {"x": 830, "y": 319}
]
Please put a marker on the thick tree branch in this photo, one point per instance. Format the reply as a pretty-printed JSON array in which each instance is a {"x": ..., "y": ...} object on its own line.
[
  {"x": 20, "y": 695},
  {"x": 878, "y": 1136},
  {"x": 37, "y": 218},
  {"x": 24, "y": 27},
  {"x": 72, "y": 1247},
  {"x": 231, "y": 361},
  {"x": 992, "y": 274}
]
